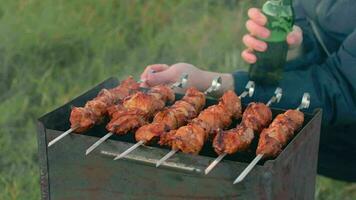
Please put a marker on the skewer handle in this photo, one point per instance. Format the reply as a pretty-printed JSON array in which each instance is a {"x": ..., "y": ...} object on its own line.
[
  {"x": 129, "y": 150},
  {"x": 166, "y": 157},
  {"x": 250, "y": 90},
  {"x": 305, "y": 101},
  {"x": 182, "y": 83},
  {"x": 214, "y": 163},
  {"x": 215, "y": 85},
  {"x": 97, "y": 143},
  {"x": 276, "y": 97},
  {"x": 61, "y": 136},
  {"x": 248, "y": 169}
]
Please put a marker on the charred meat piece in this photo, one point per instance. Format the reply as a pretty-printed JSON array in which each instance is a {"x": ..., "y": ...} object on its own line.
[
  {"x": 217, "y": 116},
  {"x": 83, "y": 118},
  {"x": 163, "y": 93},
  {"x": 191, "y": 138},
  {"x": 138, "y": 109},
  {"x": 146, "y": 103},
  {"x": 150, "y": 132},
  {"x": 277, "y": 135},
  {"x": 195, "y": 98},
  {"x": 233, "y": 140},
  {"x": 232, "y": 104},
  {"x": 126, "y": 120},
  {"x": 172, "y": 117},
  {"x": 167, "y": 138},
  {"x": 256, "y": 117}
]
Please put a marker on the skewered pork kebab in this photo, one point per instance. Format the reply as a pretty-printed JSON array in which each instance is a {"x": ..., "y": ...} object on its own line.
[
  {"x": 84, "y": 118},
  {"x": 277, "y": 135},
  {"x": 191, "y": 138},
  {"x": 255, "y": 117},
  {"x": 173, "y": 117},
  {"x": 136, "y": 110}
]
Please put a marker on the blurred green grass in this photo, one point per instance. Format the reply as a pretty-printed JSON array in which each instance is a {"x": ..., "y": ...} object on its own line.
[{"x": 51, "y": 51}]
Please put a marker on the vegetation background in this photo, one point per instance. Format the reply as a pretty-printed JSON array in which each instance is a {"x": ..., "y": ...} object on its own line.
[{"x": 51, "y": 51}]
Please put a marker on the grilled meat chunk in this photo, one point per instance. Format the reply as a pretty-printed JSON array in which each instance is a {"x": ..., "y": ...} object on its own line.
[
  {"x": 256, "y": 117},
  {"x": 83, "y": 118},
  {"x": 191, "y": 138},
  {"x": 233, "y": 140},
  {"x": 282, "y": 129},
  {"x": 173, "y": 117},
  {"x": 138, "y": 109}
]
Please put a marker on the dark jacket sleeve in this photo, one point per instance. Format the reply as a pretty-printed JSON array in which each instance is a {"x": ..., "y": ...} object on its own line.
[
  {"x": 332, "y": 85},
  {"x": 311, "y": 52}
]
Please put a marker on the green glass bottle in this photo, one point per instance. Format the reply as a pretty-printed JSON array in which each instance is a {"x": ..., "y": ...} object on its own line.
[{"x": 269, "y": 66}]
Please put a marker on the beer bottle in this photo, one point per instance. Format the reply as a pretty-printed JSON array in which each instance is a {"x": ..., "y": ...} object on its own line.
[{"x": 269, "y": 66}]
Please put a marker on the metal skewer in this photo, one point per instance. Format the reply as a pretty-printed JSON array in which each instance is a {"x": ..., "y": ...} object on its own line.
[
  {"x": 275, "y": 98},
  {"x": 215, "y": 85},
  {"x": 182, "y": 83},
  {"x": 214, "y": 163},
  {"x": 61, "y": 136},
  {"x": 129, "y": 150},
  {"x": 250, "y": 86},
  {"x": 97, "y": 143},
  {"x": 166, "y": 157},
  {"x": 304, "y": 104}
]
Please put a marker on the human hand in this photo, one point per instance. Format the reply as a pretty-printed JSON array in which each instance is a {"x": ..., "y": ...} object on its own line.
[
  {"x": 255, "y": 26},
  {"x": 163, "y": 74}
]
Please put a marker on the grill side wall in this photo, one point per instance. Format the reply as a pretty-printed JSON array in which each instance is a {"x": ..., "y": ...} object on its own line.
[{"x": 295, "y": 169}]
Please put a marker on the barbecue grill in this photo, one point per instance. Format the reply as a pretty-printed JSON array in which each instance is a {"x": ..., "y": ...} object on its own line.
[{"x": 66, "y": 173}]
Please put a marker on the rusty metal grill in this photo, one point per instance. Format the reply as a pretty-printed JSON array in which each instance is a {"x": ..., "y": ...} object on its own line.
[{"x": 66, "y": 173}]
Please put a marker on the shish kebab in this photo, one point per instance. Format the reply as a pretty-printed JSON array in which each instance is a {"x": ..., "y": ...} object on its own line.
[
  {"x": 137, "y": 109},
  {"x": 84, "y": 118},
  {"x": 173, "y": 117},
  {"x": 277, "y": 135},
  {"x": 255, "y": 117},
  {"x": 191, "y": 138}
]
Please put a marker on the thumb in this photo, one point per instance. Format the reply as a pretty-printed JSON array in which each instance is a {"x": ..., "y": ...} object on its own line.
[
  {"x": 295, "y": 38},
  {"x": 158, "y": 67},
  {"x": 153, "y": 68},
  {"x": 163, "y": 77}
]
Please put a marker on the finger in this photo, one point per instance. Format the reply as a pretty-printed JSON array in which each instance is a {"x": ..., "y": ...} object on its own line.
[
  {"x": 158, "y": 67},
  {"x": 256, "y": 29},
  {"x": 253, "y": 43},
  {"x": 257, "y": 16},
  {"x": 153, "y": 68},
  {"x": 163, "y": 77},
  {"x": 144, "y": 85},
  {"x": 248, "y": 56},
  {"x": 295, "y": 38}
]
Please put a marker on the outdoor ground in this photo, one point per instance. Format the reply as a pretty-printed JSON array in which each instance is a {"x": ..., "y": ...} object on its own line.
[{"x": 51, "y": 51}]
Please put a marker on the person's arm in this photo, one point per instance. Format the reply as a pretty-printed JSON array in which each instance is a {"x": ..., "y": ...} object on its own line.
[
  {"x": 332, "y": 85},
  {"x": 164, "y": 74}
]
